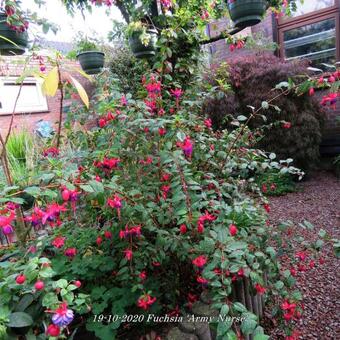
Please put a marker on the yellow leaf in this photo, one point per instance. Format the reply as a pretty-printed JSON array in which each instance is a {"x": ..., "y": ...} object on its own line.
[
  {"x": 82, "y": 93},
  {"x": 82, "y": 73},
  {"x": 51, "y": 82}
]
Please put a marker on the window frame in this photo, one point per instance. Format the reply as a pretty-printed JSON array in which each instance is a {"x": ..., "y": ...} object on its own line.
[
  {"x": 43, "y": 103},
  {"x": 286, "y": 24}
]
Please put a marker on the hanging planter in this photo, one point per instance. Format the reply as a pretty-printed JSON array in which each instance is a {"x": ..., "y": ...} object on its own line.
[
  {"x": 245, "y": 13},
  {"x": 143, "y": 42},
  {"x": 92, "y": 62},
  {"x": 15, "y": 42}
]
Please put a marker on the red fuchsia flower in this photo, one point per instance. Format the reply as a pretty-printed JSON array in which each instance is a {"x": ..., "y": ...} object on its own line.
[
  {"x": 62, "y": 315},
  {"x": 208, "y": 123},
  {"x": 205, "y": 15},
  {"x": 59, "y": 242},
  {"x": 161, "y": 112},
  {"x": 292, "y": 272},
  {"x": 53, "y": 330},
  {"x": 187, "y": 147},
  {"x": 331, "y": 79},
  {"x": 294, "y": 336},
  {"x": 321, "y": 261},
  {"x": 240, "y": 273},
  {"x": 311, "y": 264},
  {"x": 202, "y": 219},
  {"x": 183, "y": 229},
  {"x": 39, "y": 285},
  {"x": 123, "y": 101},
  {"x": 177, "y": 93},
  {"x": 99, "y": 241},
  {"x": 199, "y": 261},
  {"x": 260, "y": 290},
  {"x": 156, "y": 264},
  {"x": 102, "y": 122},
  {"x": 145, "y": 301},
  {"x": 153, "y": 88},
  {"x": 165, "y": 190},
  {"x": 130, "y": 231},
  {"x": 311, "y": 91},
  {"x": 321, "y": 81},
  {"x": 301, "y": 255},
  {"x": 20, "y": 279},
  {"x": 202, "y": 281},
  {"x": 165, "y": 177},
  {"x": 10, "y": 10},
  {"x": 162, "y": 131},
  {"x": 52, "y": 212},
  {"x": 108, "y": 234},
  {"x": 115, "y": 202},
  {"x": 70, "y": 252},
  {"x": 273, "y": 187},
  {"x": 142, "y": 275},
  {"x": 232, "y": 230},
  {"x": 266, "y": 207},
  {"x": 128, "y": 254},
  {"x": 287, "y": 125},
  {"x": 51, "y": 152},
  {"x": 107, "y": 163},
  {"x": 151, "y": 105},
  {"x": 77, "y": 283},
  {"x": 330, "y": 99},
  {"x": 264, "y": 188},
  {"x": 166, "y": 4}
]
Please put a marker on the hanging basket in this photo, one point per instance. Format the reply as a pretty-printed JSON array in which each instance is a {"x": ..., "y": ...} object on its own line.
[
  {"x": 245, "y": 13},
  {"x": 16, "y": 42},
  {"x": 139, "y": 49},
  {"x": 92, "y": 62}
]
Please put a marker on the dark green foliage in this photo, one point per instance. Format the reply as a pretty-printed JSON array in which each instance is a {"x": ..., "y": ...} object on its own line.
[
  {"x": 128, "y": 70},
  {"x": 252, "y": 80},
  {"x": 274, "y": 183}
]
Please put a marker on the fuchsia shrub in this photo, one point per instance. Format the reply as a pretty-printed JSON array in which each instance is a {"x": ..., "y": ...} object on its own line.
[{"x": 151, "y": 209}]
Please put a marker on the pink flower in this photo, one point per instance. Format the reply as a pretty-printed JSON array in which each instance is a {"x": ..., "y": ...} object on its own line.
[
  {"x": 145, "y": 301},
  {"x": 108, "y": 234},
  {"x": 99, "y": 241},
  {"x": 261, "y": 290},
  {"x": 70, "y": 252},
  {"x": 202, "y": 280},
  {"x": 58, "y": 242},
  {"x": 232, "y": 229},
  {"x": 208, "y": 123},
  {"x": 311, "y": 91},
  {"x": 186, "y": 146},
  {"x": 266, "y": 207},
  {"x": 51, "y": 152},
  {"x": 182, "y": 229},
  {"x": 177, "y": 93},
  {"x": 39, "y": 285},
  {"x": 20, "y": 279},
  {"x": 115, "y": 202},
  {"x": 123, "y": 101},
  {"x": 162, "y": 131},
  {"x": 128, "y": 254},
  {"x": 199, "y": 261},
  {"x": 287, "y": 125}
]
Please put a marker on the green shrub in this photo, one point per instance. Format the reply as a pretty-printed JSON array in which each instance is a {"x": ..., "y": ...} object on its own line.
[{"x": 252, "y": 81}]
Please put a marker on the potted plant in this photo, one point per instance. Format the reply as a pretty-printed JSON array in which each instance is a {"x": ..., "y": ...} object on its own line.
[
  {"x": 90, "y": 58},
  {"x": 245, "y": 13},
  {"x": 142, "y": 39},
  {"x": 13, "y": 29}
]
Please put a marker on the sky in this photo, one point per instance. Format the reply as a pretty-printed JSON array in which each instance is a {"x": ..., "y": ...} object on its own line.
[{"x": 97, "y": 22}]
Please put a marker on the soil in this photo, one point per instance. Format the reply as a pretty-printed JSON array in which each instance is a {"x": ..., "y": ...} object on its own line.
[{"x": 318, "y": 201}]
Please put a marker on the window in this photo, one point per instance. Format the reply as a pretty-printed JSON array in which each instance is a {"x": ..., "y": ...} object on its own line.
[
  {"x": 311, "y": 6},
  {"x": 31, "y": 98},
  {"x": 312, "y": 34}
]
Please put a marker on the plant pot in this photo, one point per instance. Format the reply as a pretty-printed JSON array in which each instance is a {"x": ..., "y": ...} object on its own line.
[
  {"x": 245, "y": 13},
  {"x": 139, "y": 49},
  {"x": 18, "y": 38},
  {"x": 92, "y": 62}
]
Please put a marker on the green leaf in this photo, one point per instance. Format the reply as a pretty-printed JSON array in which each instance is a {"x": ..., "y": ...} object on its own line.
[
  {"x": 239, "y": 307},
  {"x": 34, "y": 191},
  {"x": 241, "y": 118},
  {"x": 248, "y": 326},
  {"x": 87, "y": 188},
  {"x": 19, "y": 320},
  {"x": 24, "y": 302},
  {"x": 261, "y": 337},
  {"x": 98, "y": 187}
]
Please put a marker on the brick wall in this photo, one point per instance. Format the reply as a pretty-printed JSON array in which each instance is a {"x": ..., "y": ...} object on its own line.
[{"x": 13, "y": 66}]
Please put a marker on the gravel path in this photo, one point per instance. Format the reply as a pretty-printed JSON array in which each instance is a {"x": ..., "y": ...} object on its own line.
[{"x": 318, "y": 201}]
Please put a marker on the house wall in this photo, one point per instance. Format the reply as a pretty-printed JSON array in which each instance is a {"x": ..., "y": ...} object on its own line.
[{"x": 14, "y": 66}]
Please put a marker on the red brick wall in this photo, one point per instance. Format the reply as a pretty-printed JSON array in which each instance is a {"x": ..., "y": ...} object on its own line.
[{"x": 13, "y": 66}]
